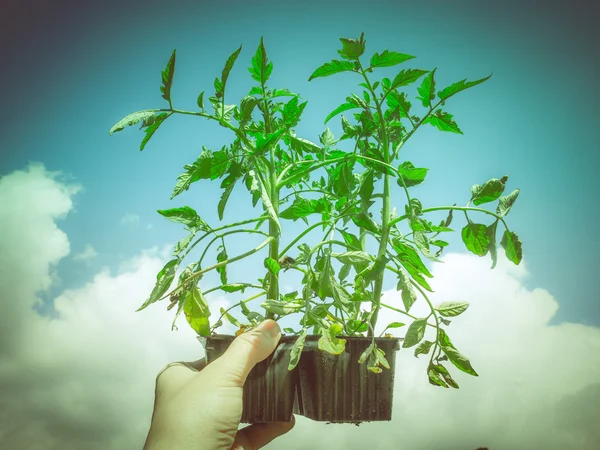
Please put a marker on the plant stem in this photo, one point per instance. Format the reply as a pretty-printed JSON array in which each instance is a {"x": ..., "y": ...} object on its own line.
[
  {"x": 457, "y": 208},
  {"x": 404, "y": 313}
]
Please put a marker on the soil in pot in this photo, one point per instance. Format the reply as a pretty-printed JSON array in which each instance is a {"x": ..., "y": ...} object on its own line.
[
  {"x": 270, "y": 387},
  {"x": 337, "y": 389}
]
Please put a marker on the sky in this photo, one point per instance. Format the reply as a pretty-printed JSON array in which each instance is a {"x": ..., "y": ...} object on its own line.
[{"x": 81, "y": 240}]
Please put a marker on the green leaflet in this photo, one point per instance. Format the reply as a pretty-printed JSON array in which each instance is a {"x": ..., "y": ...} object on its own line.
[
  {"x": 272, "y": 266},
  {"x": 406, "y": 77},
  {"x": 415, "y": 333},
  {"x": 343, "y": 107},
  {"x": 167, "y": 78},
  {"x": 448, "y": 92},
  {"x": 352, "y": 48},
  {"x": 222, "y": 270},
  {"x": 505, "y": 203},
  {"x": 184, "y": 215},
  {"x": 443, "y": 122},
  {"x": 197, "y": 312},
  {"x": 329, "y": 342},
  {"x": 164, "y": 278},
  {"x": 452, "y": 309},
  {"x": 411, "y": 175},
  {"x": 261, "y": 69},
  {"x": 296, "y": 350},
  {"x": 332, "y": 68},
  {"x": 423, "y": 348},
  {"x": 512, "y": 246},
  {"x": 389, "y": 59},
  {"x": 133, "y": 119},
  {"x": 476, "y": 239},
  {"x": 356, "y": 257},
  {"x": 427, "y": 89},
  {"x": 490, "y": 191}
]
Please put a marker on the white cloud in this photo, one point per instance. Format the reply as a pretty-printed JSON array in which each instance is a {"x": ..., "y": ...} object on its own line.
[
  {"x": 130, "y": 219},
  {"x": 86, "y": 254},
  {"x": 86, "y": 379}
]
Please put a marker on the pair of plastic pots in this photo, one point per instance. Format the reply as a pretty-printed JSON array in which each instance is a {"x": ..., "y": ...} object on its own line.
[{"x": 322, "y": 387}]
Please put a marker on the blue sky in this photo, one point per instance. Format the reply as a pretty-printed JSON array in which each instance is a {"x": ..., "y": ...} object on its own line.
[
  {"x": 72, "y": 69},
  {"x": 73, "y": 75}
]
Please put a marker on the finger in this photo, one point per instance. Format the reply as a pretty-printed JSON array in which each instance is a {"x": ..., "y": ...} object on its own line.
[
  {"x": 247, "y": 350},
  {"x": 258, "y": 435}
]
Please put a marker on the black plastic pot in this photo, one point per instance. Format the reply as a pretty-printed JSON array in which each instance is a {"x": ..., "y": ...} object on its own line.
[
  {"x": 337, "y": 389},
  {"x": 270, "y": 388}
]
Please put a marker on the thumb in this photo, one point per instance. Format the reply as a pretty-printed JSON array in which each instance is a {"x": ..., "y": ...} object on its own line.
[{"x": 247, "y": 350}]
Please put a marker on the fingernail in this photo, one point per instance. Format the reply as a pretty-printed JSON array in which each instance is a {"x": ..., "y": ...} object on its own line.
[{"x": 270, "y": 328}]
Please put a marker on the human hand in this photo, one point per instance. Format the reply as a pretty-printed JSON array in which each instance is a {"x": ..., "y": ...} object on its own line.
[{"x": 199, "y": 406}]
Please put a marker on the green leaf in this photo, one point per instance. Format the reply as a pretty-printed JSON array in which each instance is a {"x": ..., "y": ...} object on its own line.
[
  {"x": 340, "y": 295},
  {"x": 344, "y": 272},
  {"x": 301, "y": 145},
  {"x": 329, "y": 342},
  {"x": 292, "y": 111},
  {"x": 282, "y": 308},
  {"x": 183, "y": 243},
  {"x": 232, "y": 320},
  {"x": 343, "y": 107},
  {"x": 227, "y": 69},
  {"x": 363, "y": 357},
  {"x": 272, "y": 265},
  {"x": 395, "y": 325},
  {"x": 296, "y": 350},
  {"x": 490, "y": 191},
  {"x": 443, "y": 122},
  {"x": 222, "y": 271},
  {"x": 459, "y": 360},
  {"x": 352, "y": 48},
  {"x": 351, "y": 239},
  {"x": 167, "y": 78},
  {"x": 235, "y": 287},
  {"x": 225, "y": 196},
  {"x": 409, "y": 296},
  {"x": 300, "y": 208},
  {"x": 423, "y": 348},
  {"x": 332, "y": 68},
  {"x": 356, "y": 257},
  {"x": 490, "y": 231},
  {"x": 410, "y": 259},
  {"x": 327, "y": 139},
  {"x": 389, "y": 59},
  {"x": 434, "y": 378},
  {"x": 445, "y": 374},
  {"x": 261, "y": 69},
  {"x": 452, "y": 309},
  {"x": 448, "y": 92},
  {"x": 415, "y": 333},
  {"x": 427, "y": 89},
  {"x": 197, "y": 312},
  {"x": 512, "y": 246},
  {"x": 505, "y": 203},
  {"x": 200, "y": 100},
  {"x": 406, "y": 77},
  {"x": 380, "y": 357},
  {"x": 164, "y": 278},
  {"x": 363, "y": 220},
  {"x": 184, "y": 215},
  {"x": 372, "y": 272},
  {"x": 152, "y": 125},
  {"x": 396, "y": 101},
  {"x": 247, "y": 106},
  {"x": 133, "y": 119},
  {"x": 411, "y": 175},
  {"x": 476, "y": 239}
]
